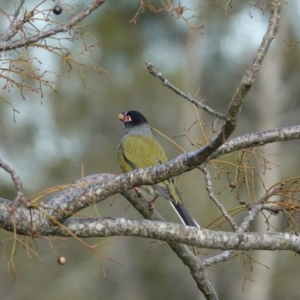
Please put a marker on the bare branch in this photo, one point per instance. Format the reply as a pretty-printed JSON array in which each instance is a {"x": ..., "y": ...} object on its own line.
[
  {"x": 174, "y": 233},
  {"x": 209, "y": 188},
  {"x": 91, "y": 227},
  {"x": 258, "y": 139},
  {"x": 13, "y": 27},
  {"x": 17, "y": 181},
  {"x": 253, "y": 69},
  {"x": 198, "y": 104},
  {"x": 5, "y": 45}
]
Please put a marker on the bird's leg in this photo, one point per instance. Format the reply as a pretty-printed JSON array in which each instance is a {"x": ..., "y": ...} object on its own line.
[
  {"x": 151, "y": 203},
  {"x": 137, "y": 189}
]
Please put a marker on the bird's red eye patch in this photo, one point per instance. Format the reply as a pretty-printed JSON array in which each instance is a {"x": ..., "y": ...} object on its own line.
[{"x": 127, "y": 119}]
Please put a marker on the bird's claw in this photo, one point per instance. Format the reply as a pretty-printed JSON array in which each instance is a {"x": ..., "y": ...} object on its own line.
[
  {"x": 151, "y": 203},
  {"x": 137, "y": 189}
]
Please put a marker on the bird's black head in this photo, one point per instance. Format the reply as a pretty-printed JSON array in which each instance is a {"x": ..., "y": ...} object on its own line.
[
  {"x": 132, "y": 118},
  {"x": 134, "y": 122}
]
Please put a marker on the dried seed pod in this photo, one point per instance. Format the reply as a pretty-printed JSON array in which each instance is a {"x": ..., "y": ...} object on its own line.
[{"x": 61, "y": 260}]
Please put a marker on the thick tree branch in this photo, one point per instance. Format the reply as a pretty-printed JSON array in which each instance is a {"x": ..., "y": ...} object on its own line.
[
  {"x": 174, "y": 233},
  {"x": 258, "y": 139},
  {"x": 178, "y": 233}
]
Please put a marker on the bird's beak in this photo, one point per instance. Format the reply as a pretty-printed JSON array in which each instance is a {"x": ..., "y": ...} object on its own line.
[{"x": 121, "y": 117}]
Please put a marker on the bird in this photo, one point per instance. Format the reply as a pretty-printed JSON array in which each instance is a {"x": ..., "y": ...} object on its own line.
[{"x": 139, "y": 149}]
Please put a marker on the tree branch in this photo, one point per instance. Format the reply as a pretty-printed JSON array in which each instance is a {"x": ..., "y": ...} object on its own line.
[
  {"x": 258, "y": 139},
  {"x": 17, "y": 181},
  {"x": 174, "y": 233},
  {"x": 212, "y": 196},
  {"x": 198, "y": 104},
  {"x": 14, "y": 25},
  {"x": 9, "y": 45}
]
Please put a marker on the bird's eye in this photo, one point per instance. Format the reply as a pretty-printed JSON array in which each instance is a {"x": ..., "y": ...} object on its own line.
[{"x": 127, "y": 119}]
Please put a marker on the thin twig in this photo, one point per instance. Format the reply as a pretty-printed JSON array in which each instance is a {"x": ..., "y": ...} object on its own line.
[
  {"x": 198, "y": 104},
  {"x": 13, "y": 27},
  {"x": 212, "y": 196},
  {"x": 17, "y": 181}
]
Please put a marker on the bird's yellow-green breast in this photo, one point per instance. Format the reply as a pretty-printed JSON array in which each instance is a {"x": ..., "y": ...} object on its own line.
[{"x": 138, "y": 151}]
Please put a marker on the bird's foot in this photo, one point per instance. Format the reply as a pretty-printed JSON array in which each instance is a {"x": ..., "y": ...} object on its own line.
[
  {"x": 137, "y": 189},
  {"x": 151, "y": 203}
]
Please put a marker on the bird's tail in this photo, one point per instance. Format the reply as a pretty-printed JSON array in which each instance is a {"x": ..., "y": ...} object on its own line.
[{"x": 184, "y": 215}]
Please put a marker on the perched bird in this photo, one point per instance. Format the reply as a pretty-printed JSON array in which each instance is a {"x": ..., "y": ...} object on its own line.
[{"x": 139, "y": 149}]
